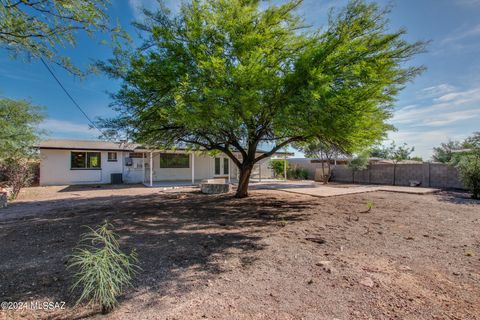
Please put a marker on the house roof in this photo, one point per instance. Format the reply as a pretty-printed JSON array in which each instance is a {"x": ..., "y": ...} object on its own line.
[
  {"x": 86, "y": 145},
  {"x": 65, "y": 144}
]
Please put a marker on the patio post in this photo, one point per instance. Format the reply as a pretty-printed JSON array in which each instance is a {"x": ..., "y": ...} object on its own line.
[
  {"x": 229, "y": 169},
  {"x": 259, "y": 172},
  {"x": 193, "y": 167},
  {"x": 285, "y": 166},
  {"x": 151, "y": 169},
  {"x": 143, "y": 165}
]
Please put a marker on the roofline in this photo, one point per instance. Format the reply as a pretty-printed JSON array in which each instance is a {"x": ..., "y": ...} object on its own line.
[
  {"x": 83, "y": 149},
  {"x": 141, "y": 149}
]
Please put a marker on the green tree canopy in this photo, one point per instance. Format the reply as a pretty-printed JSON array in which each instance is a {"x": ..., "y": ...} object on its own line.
[
  {"x": 19, "y": 121},
  {"x": 39, "y": 28},
  {"x": 228, "y": 75},
  {"x": 393, "y": 152},
  {"x": 444, "y": 152}
]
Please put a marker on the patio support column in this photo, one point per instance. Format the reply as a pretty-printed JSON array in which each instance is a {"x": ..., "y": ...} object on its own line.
[
  {"x": 192, "y": 155},
  {"x": 285, "y": 166},
  {"x": 151, "y": 169},
  {"x": 229, "y": 170},
  {"x": 143, "y": 165},
  {"x": 259, "y": 172}
]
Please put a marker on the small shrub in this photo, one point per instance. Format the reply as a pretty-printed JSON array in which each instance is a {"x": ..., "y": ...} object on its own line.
[
  {"x": 469, "y": 169},
  {"x": 369, "y": 205},
  {"x": 103, "y": 271},
  {"x": 278, "y": 167},
  {"x": 297, "y": 173},
  {"x": 18, "y": 173}
]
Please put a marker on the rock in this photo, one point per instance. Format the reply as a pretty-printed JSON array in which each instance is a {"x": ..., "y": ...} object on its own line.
[
  {"x": 456, "y": 273},
  {"x": 404, "y": 268},
  {"x": 215, "y": 188},
  {"x": 326, "y": 265},
  {"x": 367, "y": 282},
  {"x": 323, "y": 263}
]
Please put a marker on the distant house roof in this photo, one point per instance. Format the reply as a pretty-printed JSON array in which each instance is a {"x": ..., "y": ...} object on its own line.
[{"x": 98, "y": 145}]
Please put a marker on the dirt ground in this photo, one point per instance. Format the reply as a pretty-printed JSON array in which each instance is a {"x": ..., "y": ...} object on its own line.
[{"x": 274, "y": 255}]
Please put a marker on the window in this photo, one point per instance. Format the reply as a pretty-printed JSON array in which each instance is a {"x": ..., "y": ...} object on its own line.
[
  {"x": 217, "y": 166},
  {"x": 112, "y": 157},
  {"x": 225, "y": 165},
  {"x": 86, "y": 160},
  {"x": 174, "y": 160},
  {"x": 138, "y": 155}
]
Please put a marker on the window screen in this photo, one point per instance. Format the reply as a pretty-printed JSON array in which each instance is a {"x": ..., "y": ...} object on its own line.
[{"x": 174, "y": 160}]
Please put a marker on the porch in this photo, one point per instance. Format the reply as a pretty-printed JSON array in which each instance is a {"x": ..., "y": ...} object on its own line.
[{"x": 173, "y": 169}]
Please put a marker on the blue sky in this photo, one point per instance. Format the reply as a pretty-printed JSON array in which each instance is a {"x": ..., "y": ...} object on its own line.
[{"x": 441, "y": 104}]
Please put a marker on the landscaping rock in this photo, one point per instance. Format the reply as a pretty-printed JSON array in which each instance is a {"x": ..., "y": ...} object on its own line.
[
  {"x": 367, "y": 282},
  {"x": 215, "y": 188}
]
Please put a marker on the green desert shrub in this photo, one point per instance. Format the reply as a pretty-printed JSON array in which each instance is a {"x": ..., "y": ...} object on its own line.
[
  {"x": 469, "y": 168},
  {"x": 297, "y": 173},
  {"x": 103, "y": 271},
  {"x": 278, "y": 167}
]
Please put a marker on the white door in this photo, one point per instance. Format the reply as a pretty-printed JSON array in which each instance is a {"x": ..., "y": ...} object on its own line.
[{"x": 221, "y": 166}]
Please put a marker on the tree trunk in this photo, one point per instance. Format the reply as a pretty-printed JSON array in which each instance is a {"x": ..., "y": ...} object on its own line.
[{"x": 242, "y": 188}]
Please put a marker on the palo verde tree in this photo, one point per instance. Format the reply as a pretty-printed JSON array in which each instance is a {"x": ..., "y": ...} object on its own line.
[
  {"x": 39, "y": 28},
  {"x": 229, "y": 75}
]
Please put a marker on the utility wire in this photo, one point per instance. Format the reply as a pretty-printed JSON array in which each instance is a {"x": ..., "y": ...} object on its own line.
[{"x": 71, "y": 98}]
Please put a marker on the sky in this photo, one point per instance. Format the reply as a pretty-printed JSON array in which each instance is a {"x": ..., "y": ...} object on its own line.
[{"x": 441, "y": 104}]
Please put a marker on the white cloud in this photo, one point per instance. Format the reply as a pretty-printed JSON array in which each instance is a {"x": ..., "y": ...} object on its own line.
[
  {"x": 467, "y": 32},
  {"x": 425, "y": 141},
  {"x": 66, "y": 127},
  {"x": 446, "y": 108},
  {"x": 442, "y": 112},
  {"x": 137, "y": 5}
]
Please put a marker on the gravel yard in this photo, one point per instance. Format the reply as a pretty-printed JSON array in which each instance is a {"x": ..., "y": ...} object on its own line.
[{"x": 274, "y": 255}]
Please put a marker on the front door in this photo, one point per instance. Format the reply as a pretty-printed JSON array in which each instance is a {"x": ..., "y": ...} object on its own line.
[{"x": 221, "y": 166}]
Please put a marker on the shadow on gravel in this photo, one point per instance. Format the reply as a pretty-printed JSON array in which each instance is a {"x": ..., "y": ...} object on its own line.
[
  {"x": 457, "y": 197},
  {"x": 172, "y": 233}
]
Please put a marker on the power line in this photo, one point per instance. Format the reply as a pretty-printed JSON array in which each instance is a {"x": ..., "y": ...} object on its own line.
[{"x": 71, "y": 98}]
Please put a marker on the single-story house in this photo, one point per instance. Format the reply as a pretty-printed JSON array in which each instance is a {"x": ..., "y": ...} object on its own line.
[{"x": 68, "y": 162}]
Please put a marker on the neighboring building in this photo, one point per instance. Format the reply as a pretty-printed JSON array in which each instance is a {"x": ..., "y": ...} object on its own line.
[{"x": 67, "y": 162}]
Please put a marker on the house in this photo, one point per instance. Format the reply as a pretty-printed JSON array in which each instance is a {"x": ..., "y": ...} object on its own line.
[{"x": 68, "y": 162}]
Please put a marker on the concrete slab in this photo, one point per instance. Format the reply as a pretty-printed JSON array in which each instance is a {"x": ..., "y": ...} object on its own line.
[{"x": 332, "y": 191}]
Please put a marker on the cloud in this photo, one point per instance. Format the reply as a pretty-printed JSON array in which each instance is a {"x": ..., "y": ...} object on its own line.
[
  {"x": 137, "y": 5},
  {"x": 425, "y": 141},
  {"x": 472, "y": 31},
  {"x": 447, "y": 106},
  {"x": 63, "y": 127}
]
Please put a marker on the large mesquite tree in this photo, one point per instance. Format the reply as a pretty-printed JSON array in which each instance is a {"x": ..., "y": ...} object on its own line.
[{"x": 227, "y": 75}]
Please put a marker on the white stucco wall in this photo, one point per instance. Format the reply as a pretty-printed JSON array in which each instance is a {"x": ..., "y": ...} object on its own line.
[{"x": 55, "y": 168}]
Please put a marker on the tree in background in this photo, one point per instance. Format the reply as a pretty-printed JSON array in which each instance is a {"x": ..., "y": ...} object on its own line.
[
  {"x": 323, "y": 151},
  {"x": 393, "y": 152},
  {"x": 469, "y": 168},
  {"x": 358, "y": 163},
  {"x": 38, "y": 28},
  {"x": 19, "y": 132},
  {"x": 443, "y": 153},
  {"x": 229, "y": 75}
]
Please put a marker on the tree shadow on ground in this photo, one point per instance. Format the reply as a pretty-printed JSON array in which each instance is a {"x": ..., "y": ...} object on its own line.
[
  {"x": 458, "y": 197},
  {"x": 172, "y": 233}
]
